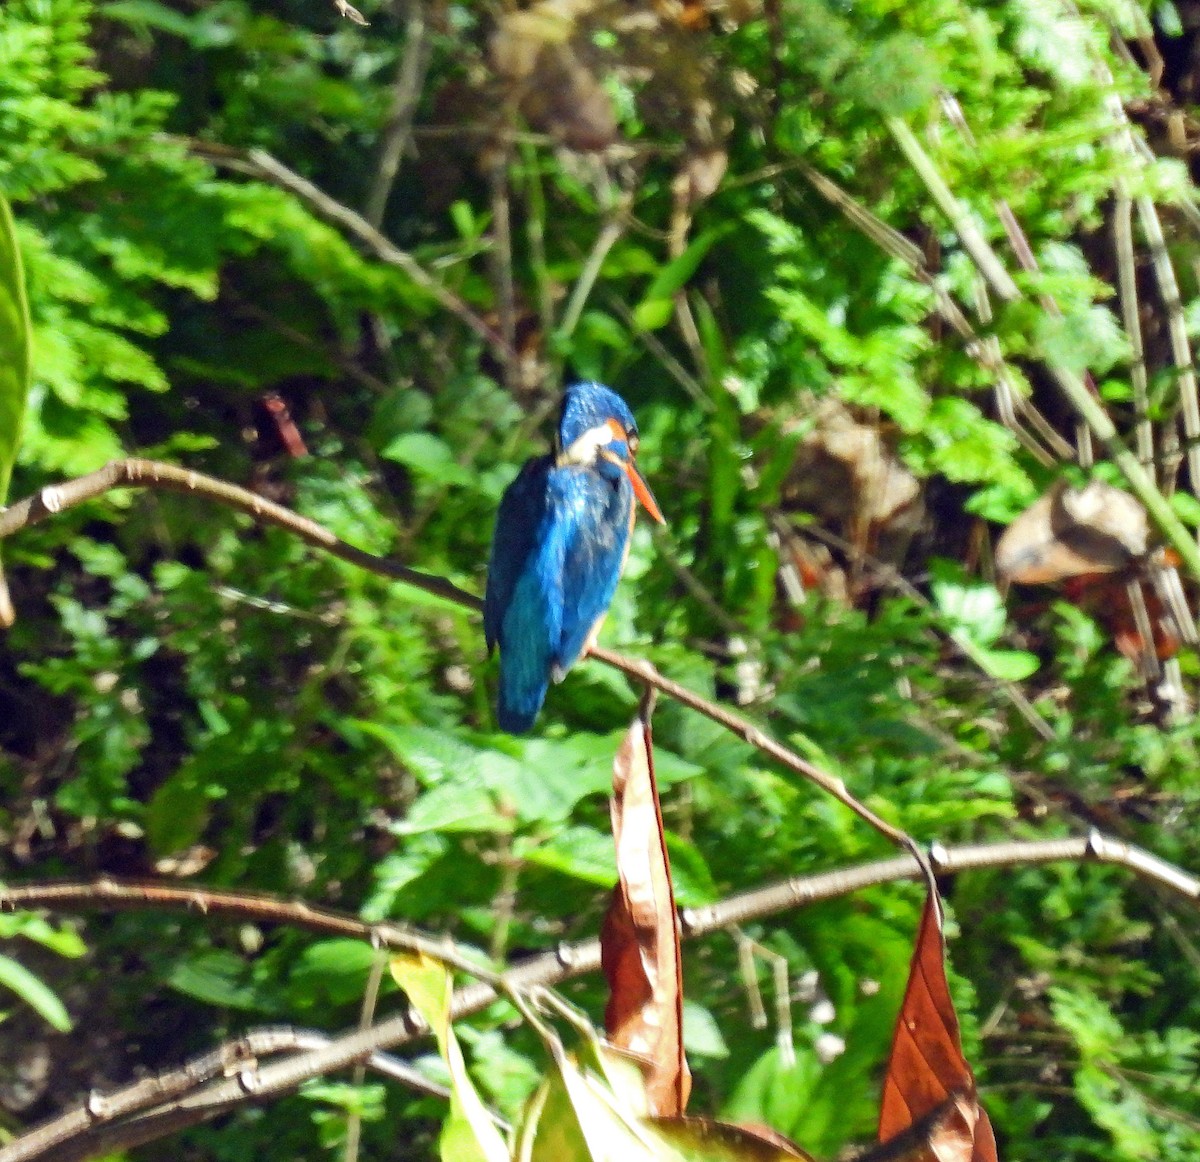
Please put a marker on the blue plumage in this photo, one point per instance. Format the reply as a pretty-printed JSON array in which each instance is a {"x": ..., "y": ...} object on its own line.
[{"x": 562, "y": 535}]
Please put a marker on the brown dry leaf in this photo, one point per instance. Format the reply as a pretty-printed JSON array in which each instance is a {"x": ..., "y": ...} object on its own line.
[
  {"x": 639, "y": 943},
  {"x": 930, "y": 1110},
  {"x": 848, "y": 474},
  {"x": 700, "y": 175},
  {"x": 1071, "y": 532},
  {"x": 957, "y": 1131}
]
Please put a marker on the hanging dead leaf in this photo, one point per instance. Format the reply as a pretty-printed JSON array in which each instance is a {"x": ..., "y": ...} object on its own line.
[
  {"x": 954, "y": 1132},
  {"x": 1070, "y": 532},
  {"x": 930, "y": 1110},
  {"x": 640, "y": 949}
]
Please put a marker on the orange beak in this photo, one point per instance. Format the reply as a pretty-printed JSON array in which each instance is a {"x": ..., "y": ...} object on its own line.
[
  {"x": 640, "y": 488},
  {"x": 642, "y": 491}
]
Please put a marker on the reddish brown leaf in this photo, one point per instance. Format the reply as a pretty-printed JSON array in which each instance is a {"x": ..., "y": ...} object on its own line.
[
  {"x": 286, "y": 434},
  {"x": 640, "y": 940},
  {"x": 929, "y": 1108},
  {"x": 1107, "y": 599}
]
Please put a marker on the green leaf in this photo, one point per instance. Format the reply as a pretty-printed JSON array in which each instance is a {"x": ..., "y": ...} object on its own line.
[
  {"x": 658, "y": 303},
  {"x": 217, "y": 977},
  {"x": 973, "y": 609},
  {"x": 701, "y": 1034},
  {"x": 178, "y": 812},
  {"x": 469, "y": 1134},
  {"x": 333, "y": 970},
  {"x": 16, "y": 351},
  {"x": 64, "y": 941},
  {"x": 1187, "y": 508},
  {"x": 1007, "y": 665},
  {"x": 428, "y": 456},
  {"x": 35, "y": 993}
]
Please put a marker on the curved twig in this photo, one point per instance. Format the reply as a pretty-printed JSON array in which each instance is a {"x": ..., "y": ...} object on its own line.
[{"x": 108, "y": 894}]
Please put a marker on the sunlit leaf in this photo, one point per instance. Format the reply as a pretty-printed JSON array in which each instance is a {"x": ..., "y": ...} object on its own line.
[
  {"x": 38, "y": 995},
  {"x": 468, "y": 1134}
]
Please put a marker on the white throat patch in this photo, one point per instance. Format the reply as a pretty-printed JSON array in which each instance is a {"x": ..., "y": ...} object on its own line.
[{"x": 587, "y": 447}]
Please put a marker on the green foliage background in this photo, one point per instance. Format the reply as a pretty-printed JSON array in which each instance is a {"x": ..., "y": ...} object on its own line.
[{"x": 181, "y": 682}]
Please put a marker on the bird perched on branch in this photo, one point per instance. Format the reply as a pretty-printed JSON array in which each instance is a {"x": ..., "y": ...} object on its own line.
[{"x": 561, "y": 539}]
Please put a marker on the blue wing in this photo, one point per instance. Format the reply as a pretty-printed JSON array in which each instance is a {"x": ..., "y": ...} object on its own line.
[
  {"x": 522, "y": 510},
  {"x": 556, "y": 558},
  {"x": 595, "y": 541}
]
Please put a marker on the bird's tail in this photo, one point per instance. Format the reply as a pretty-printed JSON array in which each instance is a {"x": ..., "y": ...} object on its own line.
[
  {"x": 518, "y": 705},
  {"x": 523, "y": 683}
]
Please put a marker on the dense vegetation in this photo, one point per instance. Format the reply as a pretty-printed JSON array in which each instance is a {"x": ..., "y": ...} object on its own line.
[{"x": 350, "y": 267}]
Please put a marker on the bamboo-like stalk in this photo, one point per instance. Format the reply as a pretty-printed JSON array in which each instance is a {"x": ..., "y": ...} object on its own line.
[
  {"x": 1181, "y": 348},
  {"x": 1127, "y": 291}
]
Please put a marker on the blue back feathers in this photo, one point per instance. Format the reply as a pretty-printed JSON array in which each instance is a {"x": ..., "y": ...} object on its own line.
[{"x": 561, "y": 536}]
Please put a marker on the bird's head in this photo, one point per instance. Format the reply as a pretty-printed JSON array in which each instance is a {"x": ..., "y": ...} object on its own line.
[{"x": 596, "y": 429}]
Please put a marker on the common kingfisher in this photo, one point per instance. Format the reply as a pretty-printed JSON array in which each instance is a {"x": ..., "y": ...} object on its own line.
[{"x": 561, "y": 540}]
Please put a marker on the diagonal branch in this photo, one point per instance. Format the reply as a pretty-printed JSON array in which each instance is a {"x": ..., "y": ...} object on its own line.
[
  {"x": 73, "y": 1133},
  {"x": 406, "y": 92},
  {"x": 154, "y": 474},
  {"x": 135, "y": 473},
  {"x": 258, "y": 163}
]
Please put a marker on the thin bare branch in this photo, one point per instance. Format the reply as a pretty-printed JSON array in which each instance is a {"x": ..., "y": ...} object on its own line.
[
  {"x": 259, "y": 163},
  {"x": 406, "y": 92},
  {"x": 747, "y": 731},
  {"x": 134, "y": 473},
  {"x": 985, "y": 350},
  {"x": 365, "y": 1019},
  {"x": 965, "y": 226},
  {"x": 1131, "y": 316},
  {"x": 608, "y": 237},
  {"x": 108, "y": 894},
  {"x": 501, "y": 261},
  {"x": 1181, "y": 347},
  {"x": 55, "y": 1137}
]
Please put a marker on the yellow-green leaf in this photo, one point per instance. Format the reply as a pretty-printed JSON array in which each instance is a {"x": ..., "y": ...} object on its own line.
[
  {"x": 469, "y": 1134},
  {"x": 15, "y": 347}
]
